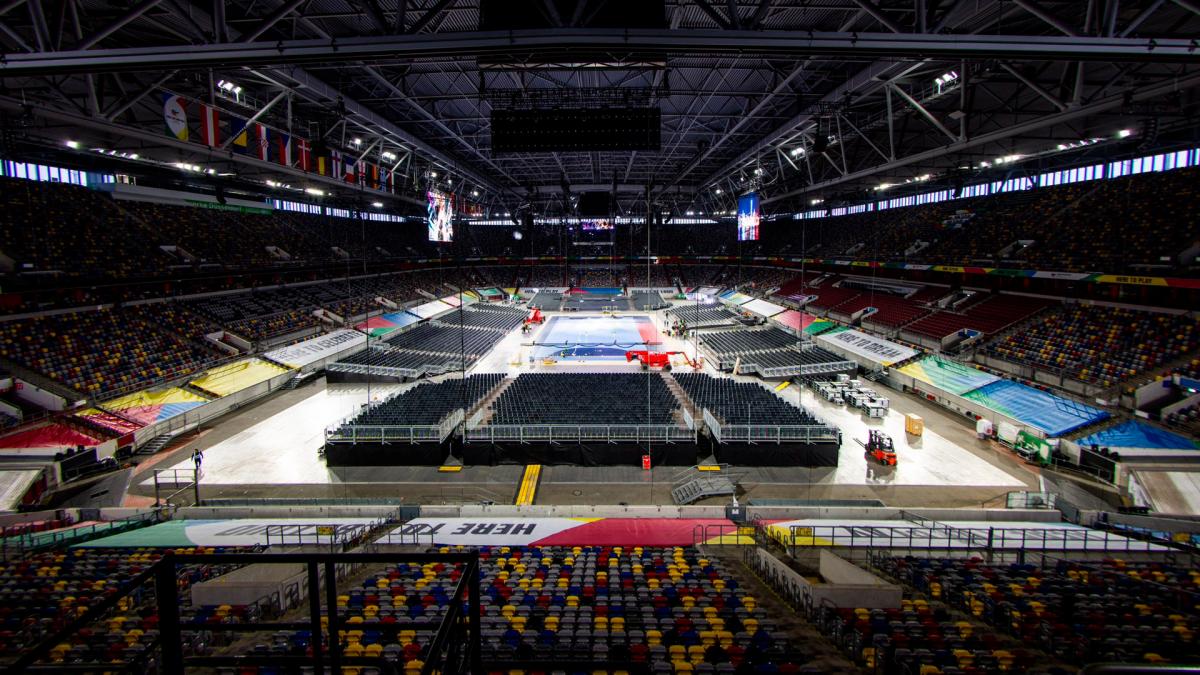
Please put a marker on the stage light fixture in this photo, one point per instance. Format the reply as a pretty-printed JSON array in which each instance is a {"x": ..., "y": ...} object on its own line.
[
  {"x": 378, "y": 205},
  {"x": 314, "y": 192},
  {"x": 1125, "y": 133},
  {"x": 74, "y": 145}
]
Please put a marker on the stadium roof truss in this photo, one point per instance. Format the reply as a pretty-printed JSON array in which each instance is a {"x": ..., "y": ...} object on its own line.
[{"x": 792, "y": 97}]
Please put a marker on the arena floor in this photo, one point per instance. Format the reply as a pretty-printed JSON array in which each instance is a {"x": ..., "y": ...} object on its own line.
[{"x": 271, "y": 449}]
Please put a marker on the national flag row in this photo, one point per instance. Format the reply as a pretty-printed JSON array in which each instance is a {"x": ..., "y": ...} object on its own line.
[{"x": 270, "y": 145}]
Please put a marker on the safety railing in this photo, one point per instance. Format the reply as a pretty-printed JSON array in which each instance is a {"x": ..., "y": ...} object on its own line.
[
  {"x": 410, "y": 534},
  {"x": 362, "y": 433},
  {"x": 767, "y": 433},
  {"x": 28, "y": 542},
  {"x": 942, "y": 537},
  {"x": 557, "y": 433}
]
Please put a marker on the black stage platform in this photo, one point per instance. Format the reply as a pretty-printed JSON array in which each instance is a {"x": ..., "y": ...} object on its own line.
[{"x": 580, "y": 454}]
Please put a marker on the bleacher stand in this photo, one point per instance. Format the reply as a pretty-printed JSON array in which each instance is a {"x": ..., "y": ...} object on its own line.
[
  {"x": 428, "y": 402},
  {"x": 503, "y": 319},
  {"x": 585, "y": 398},
  {"x": 647, "y": 301},
  {"x": 701, "y": 316},
  {"x": 728, "y": 344},
  {"x": 736, "y": 402}
]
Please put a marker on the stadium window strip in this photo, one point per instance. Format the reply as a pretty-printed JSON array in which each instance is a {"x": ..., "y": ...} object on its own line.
[
  {"x": 316, "y": 210},
  {"x": 1169, "y": 161},
  {"x": 52, "y": 174}
]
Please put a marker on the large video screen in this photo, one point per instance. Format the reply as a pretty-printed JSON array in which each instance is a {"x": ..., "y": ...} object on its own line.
[
  {"x": 441, "y": 215},
  {"x": 595, "y": 225},
  {"x": 748, "y": 217}
]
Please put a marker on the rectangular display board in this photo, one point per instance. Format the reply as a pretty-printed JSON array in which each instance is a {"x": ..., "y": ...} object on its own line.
[
  {"x": 440, "y": 215},
  {"x": 749, "y": 215}
]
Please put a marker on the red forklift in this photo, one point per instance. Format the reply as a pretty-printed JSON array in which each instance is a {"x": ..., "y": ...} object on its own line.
[
  {"x": 661, "y": 360},
  {"x": 880, "y": 448}
]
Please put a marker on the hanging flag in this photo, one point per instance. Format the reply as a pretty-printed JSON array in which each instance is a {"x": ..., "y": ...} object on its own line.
[
  {"x": 263, "y": 143},
  {"x": 175, "y": 116},
  {"x": 336, "y": 166},
  {"x": 384, "y": 177},
  {"x": 285, "y": 149},
  {"x": 374, "y": 176},
  {"x": 241, "y": 141},
  {"x": 351, "y": 171},
  {"x": 305, "y": 154},
  {"x": 210, "y": 126}
]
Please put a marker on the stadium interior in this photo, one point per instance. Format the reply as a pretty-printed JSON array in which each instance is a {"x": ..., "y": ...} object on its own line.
[{"x": 599, "y": 337}]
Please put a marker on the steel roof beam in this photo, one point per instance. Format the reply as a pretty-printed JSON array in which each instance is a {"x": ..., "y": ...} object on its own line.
[
  {"x": 740, "y": 42},
  {"x": 1114, "y": 102},
  {"x": 877, "y": 14},
  {"x": 1041, "y": 13},
  {"x": 118, "y": 23},
  {"x": 1034, "y": 87}
]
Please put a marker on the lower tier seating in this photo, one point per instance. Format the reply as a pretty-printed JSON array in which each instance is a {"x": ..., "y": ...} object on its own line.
[{"x": 1101, "y": 345}]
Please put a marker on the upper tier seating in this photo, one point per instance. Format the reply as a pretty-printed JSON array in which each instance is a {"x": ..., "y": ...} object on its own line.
[
  {"x": 71, "y": 230},
  {"x": 102, "y": 351},
  {"x": 1080, "y": 612},
  {"x": 736, "y": 402},
  {"x": 991, "y": 315},
  {"x": 1124, "y": 223},
  {"x": 574, "y": 399},
  {"x": 1101, "y": 345}
]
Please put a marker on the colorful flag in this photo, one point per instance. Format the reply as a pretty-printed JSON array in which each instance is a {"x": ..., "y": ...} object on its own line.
[
  {"x": 384, "y": 178},
  {"x": 304, "y": 150},
  {"x": 285, "y": 149},
  {"x": 241, "y": 139},
  {"x": 374, "y": 169},
  {"x": 175, "y": 116},
  {"x": 263, "y": 143},
  {"x": 351, "y": 171},
  {"x": 210, "y": 126},
  {"x": 336, "y": 166}
]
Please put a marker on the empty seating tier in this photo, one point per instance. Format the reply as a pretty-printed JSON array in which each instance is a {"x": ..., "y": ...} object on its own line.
[
  {"x": 502, "y": 319},
  {"x": 1101, "y": 345},
  {"x": 428, "y": 402},
  {"x": 438, "y": 338},
  {"x": 1092, "y": 612},
  {"x": 734, "y": 342},
  {"x": 991, "y": 315},
  {"x": 736, "y": 402},
  {"x": 698, "y": 316},
  {"x": 584, "y": 399}
]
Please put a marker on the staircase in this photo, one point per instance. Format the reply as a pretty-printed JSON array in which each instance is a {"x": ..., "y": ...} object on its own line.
[
  {"x": 701, "y": 487},
  {"x": 484, "y": 406},
  {"x": 155, "y": 444}
]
